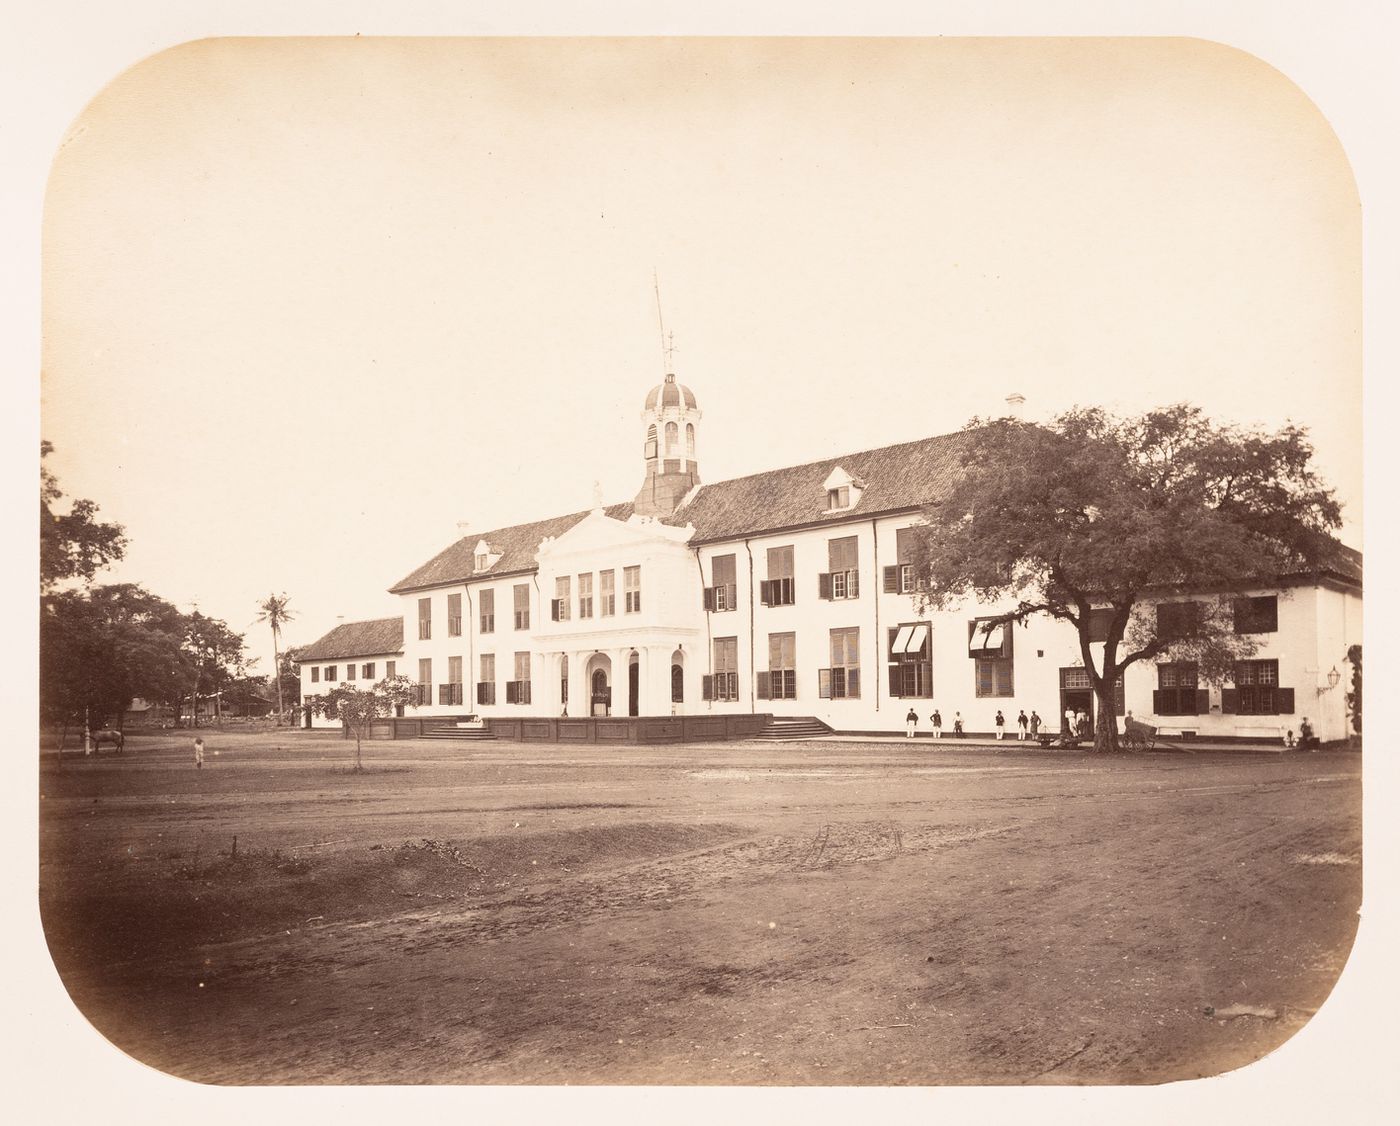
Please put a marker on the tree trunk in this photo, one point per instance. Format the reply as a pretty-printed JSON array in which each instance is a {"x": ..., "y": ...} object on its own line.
[
  {"x": 1106, "y": 723},
  {"x": 277, "y": 673}
]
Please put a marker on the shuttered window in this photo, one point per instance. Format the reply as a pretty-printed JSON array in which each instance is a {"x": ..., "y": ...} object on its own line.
[
  {"x": 1256, "y": 691},
  {"x": 607, "y": 594},
  {"x": 780, "y": 681},
  {"x": 425, "y": 619},
  {"x": 910, "y": 667},
  {"x": 842, "y": 579},
  {"x": 722, "y": 593},
  {"x": 486, "y": 686},
  {"x": 454, "y": 615},
  {"x": 780, "y": 587},
  {"x": 726, "y": 665},
  {"x": 585, "y": 596},
  {"x": 631, "y": 589},
  {"x": 1256, "y": 615},
  {"x": 842, "y": 680},
  {"x": 486, "y": 611},
  {"x": 1178, "y": 692},
  {"x": 521, "y": 594}
]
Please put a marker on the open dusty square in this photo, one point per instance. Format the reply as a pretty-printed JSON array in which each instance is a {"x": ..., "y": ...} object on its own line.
[{"x": 820, "y": 913}]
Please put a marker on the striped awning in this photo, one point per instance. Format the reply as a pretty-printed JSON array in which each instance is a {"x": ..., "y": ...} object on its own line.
[
  {"x": 910, "y": 639},
  {"x": 987, "y": 637}
]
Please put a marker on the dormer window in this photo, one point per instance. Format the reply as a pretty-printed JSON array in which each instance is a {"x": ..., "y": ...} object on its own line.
[
  {"x": 483, "y": 558},
  {"x": 842, "y": 490}
]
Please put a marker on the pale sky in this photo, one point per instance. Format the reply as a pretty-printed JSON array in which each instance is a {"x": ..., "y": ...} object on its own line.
[{"x": 309, "y": 303}]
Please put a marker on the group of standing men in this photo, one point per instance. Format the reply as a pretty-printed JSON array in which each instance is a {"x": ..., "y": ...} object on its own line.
[{"x": 1026, "y": 724}]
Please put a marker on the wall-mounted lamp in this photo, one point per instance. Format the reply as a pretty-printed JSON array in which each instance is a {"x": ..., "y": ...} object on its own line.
[{"x": 1333, "y": 678}]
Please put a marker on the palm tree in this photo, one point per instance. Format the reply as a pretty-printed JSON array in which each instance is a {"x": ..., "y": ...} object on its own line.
[{"x": 275, "y": 613}]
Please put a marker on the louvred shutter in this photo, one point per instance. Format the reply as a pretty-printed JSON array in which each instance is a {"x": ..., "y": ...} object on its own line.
[
  {"x": 707, "y": 687},
  {"x": 762, "y": 690},
  {"x": 891, "y": 580},
  {"x": 1229, "y": 701},
  {"x": 709, "y": 598},
  {"x": 853, "y": 584},
  {"x": 765, "y": 592},
  {"x": 733, "y": 599},
  {"x": 1285, "y": 701},
  {"x": 824, "y": 684},
  {"x": 896, "y": 688},
  {"x": 1157, "y": 708},
  {"x": 824, "y": 586},
  {"x": 1202, "y": 701}
]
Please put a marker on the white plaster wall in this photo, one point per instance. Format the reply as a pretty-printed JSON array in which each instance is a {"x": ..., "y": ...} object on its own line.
[{"x": 322, "y": 686}]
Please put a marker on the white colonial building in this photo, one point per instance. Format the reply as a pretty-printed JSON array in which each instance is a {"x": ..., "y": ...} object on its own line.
[{"x": 790, "y": 592}]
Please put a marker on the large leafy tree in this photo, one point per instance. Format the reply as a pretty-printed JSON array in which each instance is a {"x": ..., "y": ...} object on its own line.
[
  {"x": 1093, "y": 517},
  {"x": 274, "y": 611},
  {"x": 214, "y": 655},
  {"x": 358, "y": 707},
  {"x": 75, "y": 544},
  {"x": 102, "y": 647}
]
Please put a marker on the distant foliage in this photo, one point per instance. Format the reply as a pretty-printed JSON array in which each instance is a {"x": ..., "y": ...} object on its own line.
[{"x": 75, "y": 544}]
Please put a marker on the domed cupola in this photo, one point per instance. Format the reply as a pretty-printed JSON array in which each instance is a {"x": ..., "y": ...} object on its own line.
[
  {"x": 670, "y": 415},
  {"x": 670, "y": 394}
]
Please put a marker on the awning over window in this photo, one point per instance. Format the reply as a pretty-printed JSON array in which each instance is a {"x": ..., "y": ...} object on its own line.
[
  {"x": 910, "y": 640},
  {"x": 986, "y": 637}
]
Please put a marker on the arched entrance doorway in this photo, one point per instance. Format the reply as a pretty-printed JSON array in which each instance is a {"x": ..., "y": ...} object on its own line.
[
  {"x": 677, "y": 682},
  {"x": 599, "y": 682}
]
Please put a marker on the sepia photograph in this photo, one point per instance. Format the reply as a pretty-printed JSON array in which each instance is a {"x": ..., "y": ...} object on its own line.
[{"x": 700, "y": 562}]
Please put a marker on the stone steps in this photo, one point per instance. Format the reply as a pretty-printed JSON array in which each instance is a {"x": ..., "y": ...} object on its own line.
[{"x": 791, "y": 728}]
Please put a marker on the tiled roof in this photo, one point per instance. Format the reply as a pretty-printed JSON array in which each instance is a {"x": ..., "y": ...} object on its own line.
[
  {"x": 895, "y": 478},
  {"x": 516, "y": 547},
  {"x": 356, "y": 639},
  {"x": 909, "y": 475}
]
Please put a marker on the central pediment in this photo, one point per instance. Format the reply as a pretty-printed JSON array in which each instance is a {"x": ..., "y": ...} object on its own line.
[{"x": 598, "y": 533}]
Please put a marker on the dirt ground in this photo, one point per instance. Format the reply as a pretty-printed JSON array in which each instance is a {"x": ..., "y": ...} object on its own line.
[{"x": 713, "y": 914}]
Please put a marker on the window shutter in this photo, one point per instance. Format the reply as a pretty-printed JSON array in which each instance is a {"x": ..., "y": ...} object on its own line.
[
  {"x": 762, "y": 688},
  {"x": 732, "y": 589},
  {"x": 853, "y": 584},
  {"x": 1229, "y": 701},
  {"x": 708, "y": 600},
  {"x": 824, "y": 684},
  {"x": 1202, "y": 702},
  {"x": 554, "y": 609},
  {"x": 1158, "y": 702},
  {"x": 765, "y": 591},
  {"x": 1285, "y": 701},
  {"x": 707, "y": 687},
  {"x": 896, "y": 682},
  {"x": 824, "y": 586},
  {"x": 891, "y": 580}
]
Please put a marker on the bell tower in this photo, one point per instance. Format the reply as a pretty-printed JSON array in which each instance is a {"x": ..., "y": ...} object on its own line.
[{"x": 669, "y": 417}]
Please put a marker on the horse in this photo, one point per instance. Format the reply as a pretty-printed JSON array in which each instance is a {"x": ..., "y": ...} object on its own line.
[{"x": 107, "y": 735}]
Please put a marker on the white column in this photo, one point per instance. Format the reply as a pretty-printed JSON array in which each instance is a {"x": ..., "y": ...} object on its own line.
[
  {"x": 580, "y": 692},
  {"x": 656, "y": 688},
  {"x": 622, "y": 697}
]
